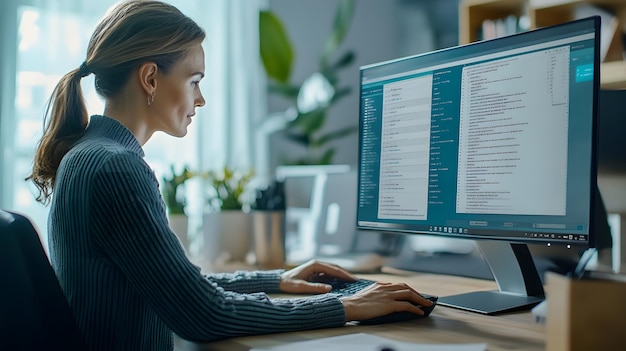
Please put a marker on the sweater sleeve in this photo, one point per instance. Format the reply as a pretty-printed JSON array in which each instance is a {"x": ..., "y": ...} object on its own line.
[
  {"x": 131, "y": 228},
  {"x": 248, "y": 282}
]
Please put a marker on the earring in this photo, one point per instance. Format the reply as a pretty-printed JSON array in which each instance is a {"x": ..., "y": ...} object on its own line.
[{"x": 150, "y": 99}]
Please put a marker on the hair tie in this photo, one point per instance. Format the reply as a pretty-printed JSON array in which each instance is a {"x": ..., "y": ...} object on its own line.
[{"x": 83, "y": 70}]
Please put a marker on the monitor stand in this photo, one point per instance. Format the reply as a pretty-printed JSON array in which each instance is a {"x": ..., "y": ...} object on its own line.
[{"x": 514, "y": 271}]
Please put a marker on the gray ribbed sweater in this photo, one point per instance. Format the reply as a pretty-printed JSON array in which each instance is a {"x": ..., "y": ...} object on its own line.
[{"x": 124, "y": 272}]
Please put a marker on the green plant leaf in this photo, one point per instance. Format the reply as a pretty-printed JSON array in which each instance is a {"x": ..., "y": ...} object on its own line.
[
  {"x": 344, "y": 61},
  {"x": 309, "y": 122},
  {"x": 231, "y": 203},
  {"x": 299, "y": 138},
  {"x": 335, "y": 135},
  {"x": 327, "y": 157},
  {"x": 331, "y": 72},
  {"x": 176, "y": 209},
  {"x": 276, "y": 49},
  {"x": 343, "y": 18},
  {"x": 227, "y": 187},
  {"x": 173, "y": 192},
  {"x": 286, "y": 90}
]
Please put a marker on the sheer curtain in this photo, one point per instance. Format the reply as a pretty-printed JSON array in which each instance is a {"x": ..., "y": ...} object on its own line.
[{"x": 42, "y": 40}]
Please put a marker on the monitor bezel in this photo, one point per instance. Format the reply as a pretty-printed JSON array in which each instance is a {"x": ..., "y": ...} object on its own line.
[{"x": 486, "y": 46}]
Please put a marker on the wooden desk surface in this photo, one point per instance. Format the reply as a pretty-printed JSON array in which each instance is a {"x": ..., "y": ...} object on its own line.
[{"x": 512, "y": 331}]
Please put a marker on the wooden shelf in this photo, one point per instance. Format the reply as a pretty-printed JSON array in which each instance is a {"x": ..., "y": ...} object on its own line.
[
  {"x": 613, "y": 75},
  {"x": 472, "y": 13},
  {"x": 542, "y": 13}
]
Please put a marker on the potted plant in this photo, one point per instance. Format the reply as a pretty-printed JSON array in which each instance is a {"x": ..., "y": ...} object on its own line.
[
  {"x": 226, "y": 223},
  {"x": 228, "y": 188},
  {"x": 312, "y": 99},
  {"x": 173, "y": 190},
  {"x": 175, "y": 201}
]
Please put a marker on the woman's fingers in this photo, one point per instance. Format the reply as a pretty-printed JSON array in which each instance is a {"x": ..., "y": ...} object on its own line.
[
  {"x": 380, "y": 299},
  {"x": 317, "y": 268},
  {"x": 307, "y": 278}
]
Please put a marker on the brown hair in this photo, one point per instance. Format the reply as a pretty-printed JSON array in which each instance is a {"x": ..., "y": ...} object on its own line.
[{"x": 131, "y": 33}]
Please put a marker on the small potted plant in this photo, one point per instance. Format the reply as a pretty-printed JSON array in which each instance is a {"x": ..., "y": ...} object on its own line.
[
  {"x": 228, "y": 189},
  {"x": 175, "y": 201},
  {"x": 173, "y": 191},
  {"x": 226, "y": 224}
]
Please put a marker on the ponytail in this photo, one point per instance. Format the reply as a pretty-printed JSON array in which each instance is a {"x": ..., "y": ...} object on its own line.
[{"x": 65, "y": 121}]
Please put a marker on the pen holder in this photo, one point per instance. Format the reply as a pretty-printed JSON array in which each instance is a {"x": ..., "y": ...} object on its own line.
[
  {"x": 585, "y": 314},
  {"x": 268, "y": 229}
]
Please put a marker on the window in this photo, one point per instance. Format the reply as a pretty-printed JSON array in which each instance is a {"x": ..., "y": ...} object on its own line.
[{"x": 51, "y": 39}]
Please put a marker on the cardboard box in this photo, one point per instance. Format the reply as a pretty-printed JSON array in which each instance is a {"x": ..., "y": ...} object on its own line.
[{"x": 586, "y": 314}]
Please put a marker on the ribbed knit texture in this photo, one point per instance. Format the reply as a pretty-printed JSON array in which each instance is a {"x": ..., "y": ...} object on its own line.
[{"x": 124, "y": 272}]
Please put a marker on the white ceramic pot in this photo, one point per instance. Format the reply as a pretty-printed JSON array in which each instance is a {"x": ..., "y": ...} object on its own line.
[
  {"x": 179, "y": 224},
  {"x": 226, "y": 236}
]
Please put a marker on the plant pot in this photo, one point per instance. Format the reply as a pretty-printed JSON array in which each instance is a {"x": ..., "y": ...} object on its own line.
[
  {"x": 227, "y": 236},
  {"x": 179, "y": 225},
  {"x": 268, "y": 228}
]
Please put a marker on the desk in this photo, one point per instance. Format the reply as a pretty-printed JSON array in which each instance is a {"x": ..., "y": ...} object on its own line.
[{"x": 513, "y": 331}]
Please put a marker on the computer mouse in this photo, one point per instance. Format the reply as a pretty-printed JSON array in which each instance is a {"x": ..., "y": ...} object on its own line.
[{"x": 401, "y": 316}]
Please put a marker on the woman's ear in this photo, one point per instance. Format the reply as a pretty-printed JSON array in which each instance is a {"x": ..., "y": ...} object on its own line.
[{"x": 148, "y": 77}]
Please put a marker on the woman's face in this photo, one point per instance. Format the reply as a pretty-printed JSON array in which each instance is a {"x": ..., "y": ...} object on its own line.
[{"x": 178, "y": 94}]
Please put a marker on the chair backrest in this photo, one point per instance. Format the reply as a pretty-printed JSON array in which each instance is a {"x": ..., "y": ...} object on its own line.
[{"x": 34, "y": 313}]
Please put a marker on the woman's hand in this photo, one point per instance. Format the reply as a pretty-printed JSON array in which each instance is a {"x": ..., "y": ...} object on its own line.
[
  {"x": 380, "y": 299},
  {"x": 306, "y": 278}
]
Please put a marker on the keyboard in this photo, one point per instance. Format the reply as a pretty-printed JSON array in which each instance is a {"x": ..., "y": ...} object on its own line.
[{"x": 345, "y": 288}]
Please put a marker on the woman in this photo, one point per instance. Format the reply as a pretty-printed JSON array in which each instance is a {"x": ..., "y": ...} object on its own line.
[{"x": 124, "y": 273}]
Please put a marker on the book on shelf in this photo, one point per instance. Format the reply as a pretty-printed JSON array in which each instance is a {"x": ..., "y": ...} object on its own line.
[{"x": 500, "y": 27}]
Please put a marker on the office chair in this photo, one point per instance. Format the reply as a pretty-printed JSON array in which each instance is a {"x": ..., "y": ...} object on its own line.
[{"x": 34, "y": 313}]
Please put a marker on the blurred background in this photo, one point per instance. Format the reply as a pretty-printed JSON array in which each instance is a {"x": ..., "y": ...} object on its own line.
[{"x": 42, "y": 40}]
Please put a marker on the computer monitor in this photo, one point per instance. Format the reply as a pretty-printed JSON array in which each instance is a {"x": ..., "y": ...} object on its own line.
[
  {"x": 305, "y": 188},
  {"x": 493, "y": 141}
]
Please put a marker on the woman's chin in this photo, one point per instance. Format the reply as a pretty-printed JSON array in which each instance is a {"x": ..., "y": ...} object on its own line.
[
  {"x": 179, "y": 133},
  {"x": 182, "y": 129}
]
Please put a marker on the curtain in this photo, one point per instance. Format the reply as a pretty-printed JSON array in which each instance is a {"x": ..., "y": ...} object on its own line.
[{"x": 42, "y": 40}]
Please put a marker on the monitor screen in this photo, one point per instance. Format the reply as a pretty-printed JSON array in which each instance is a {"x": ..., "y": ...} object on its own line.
[{"x": 490, "y": 140}]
